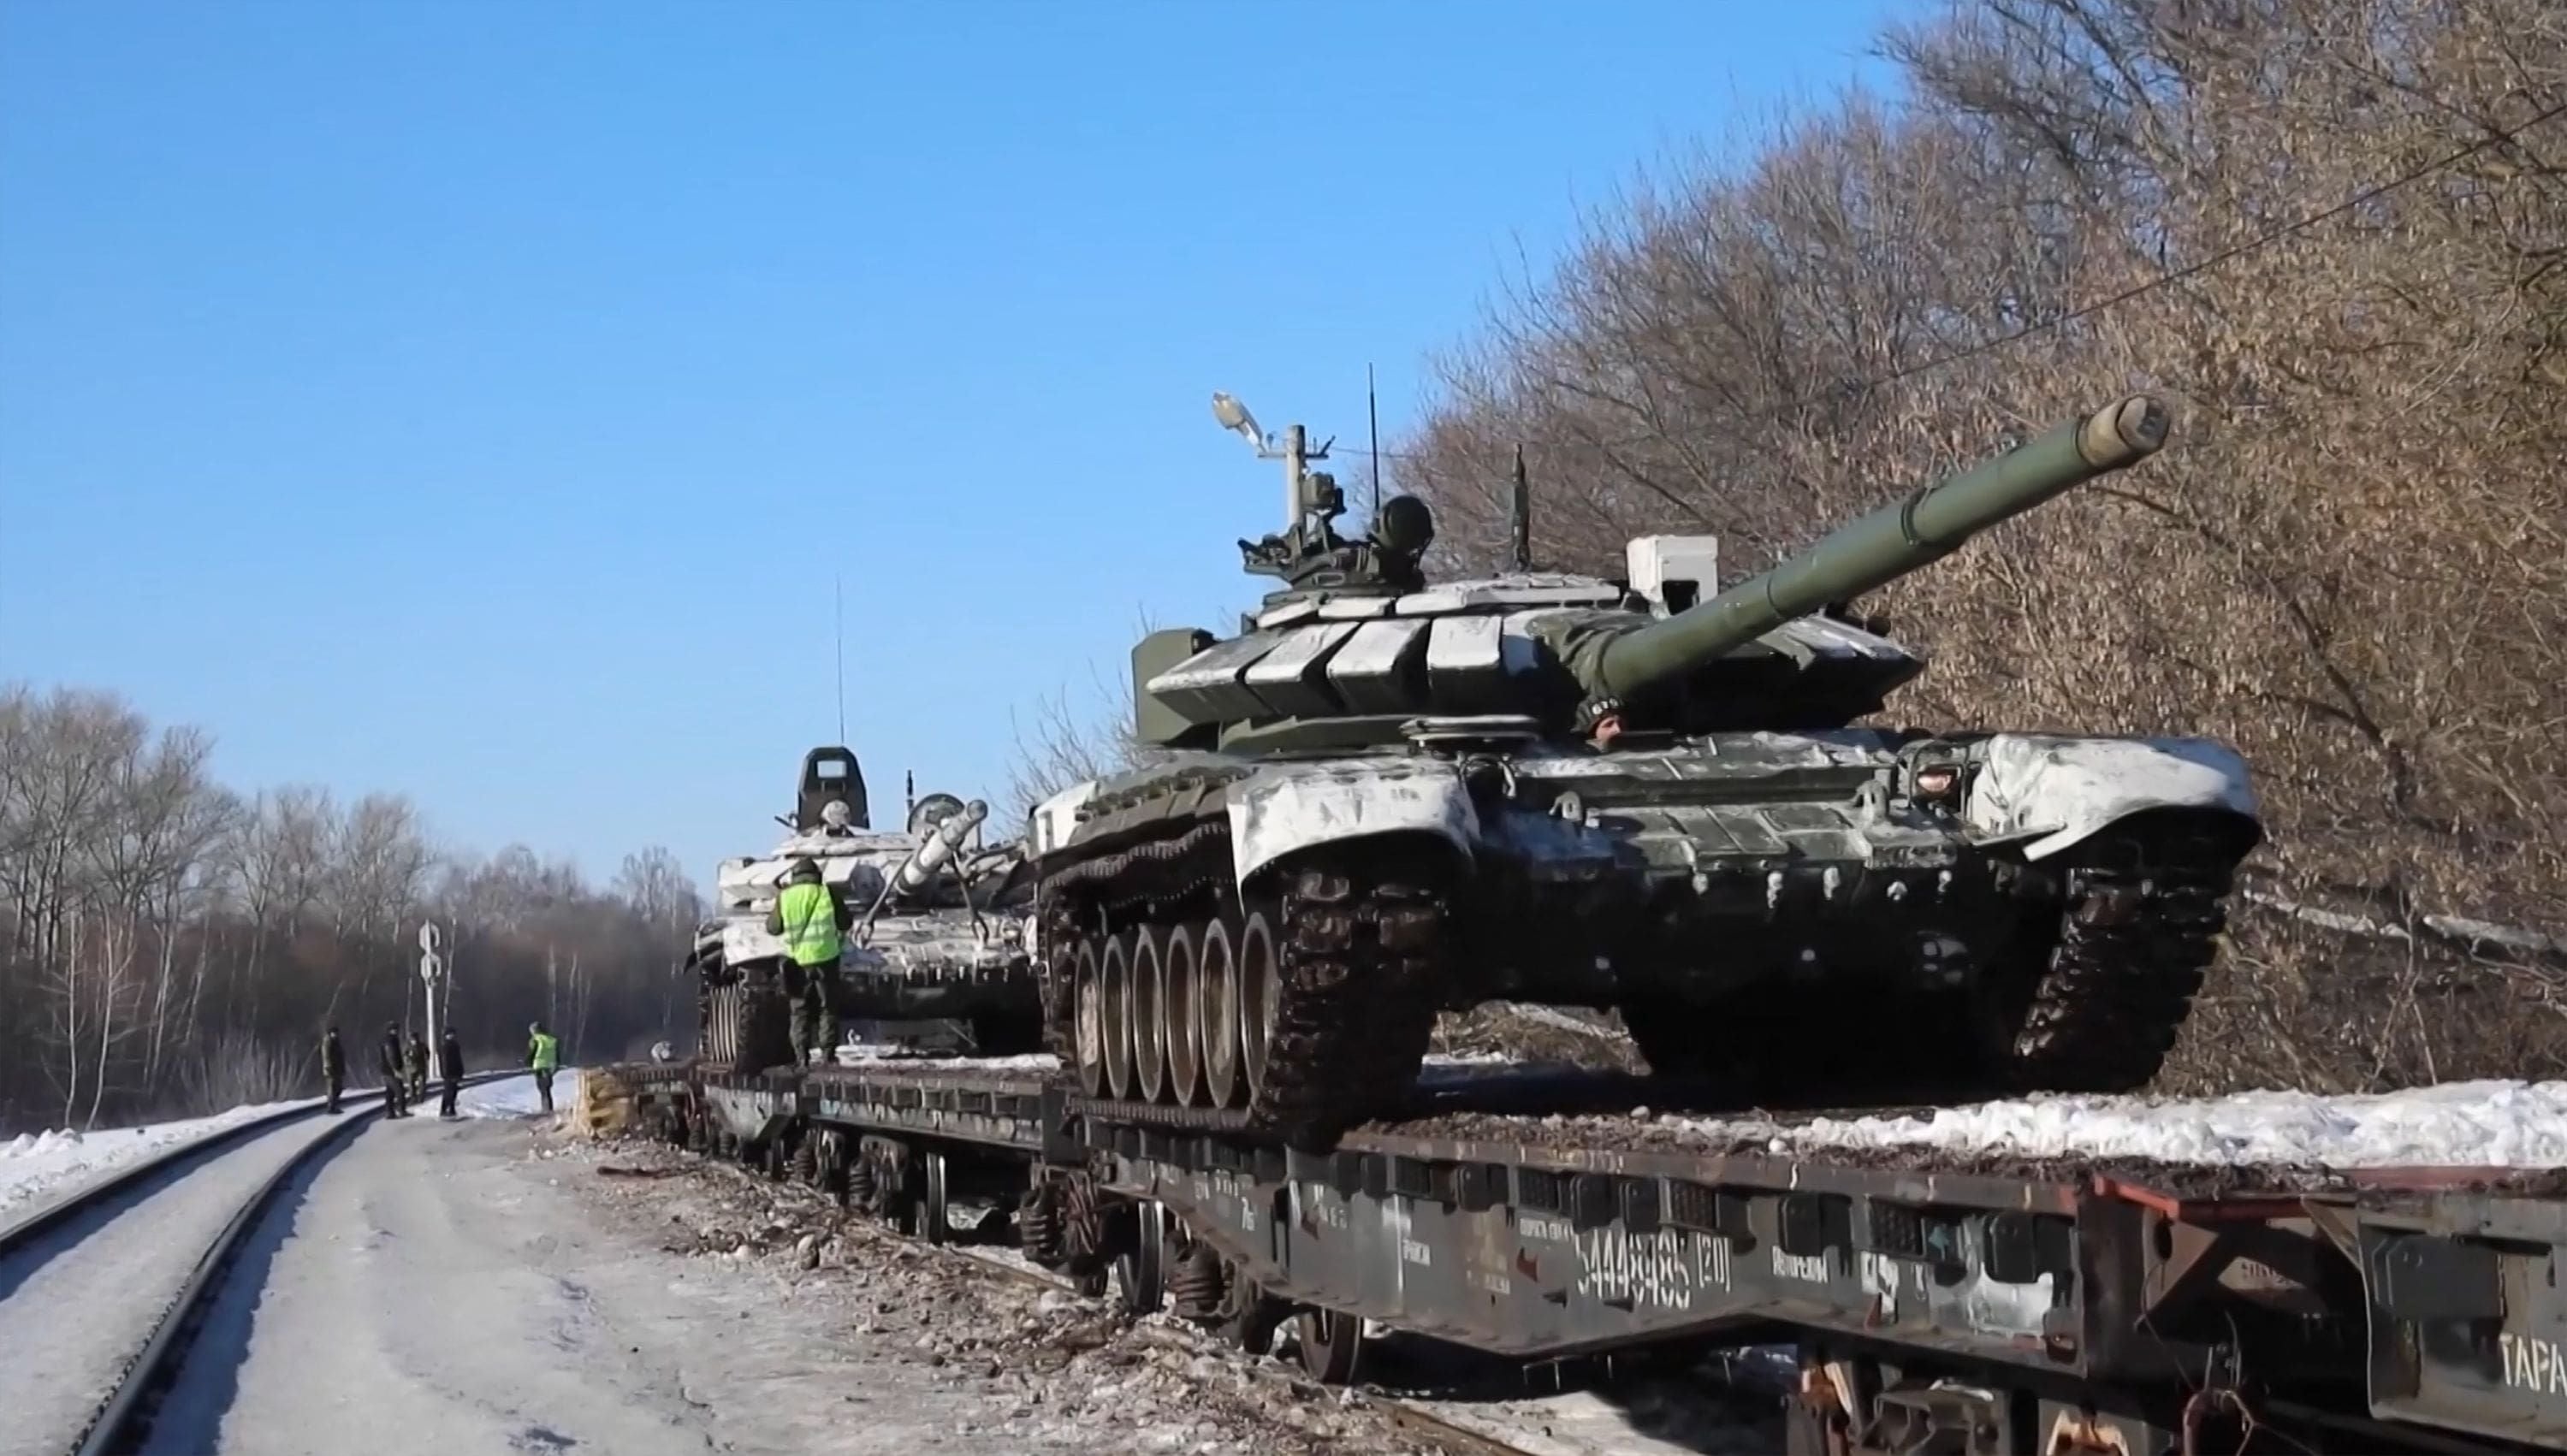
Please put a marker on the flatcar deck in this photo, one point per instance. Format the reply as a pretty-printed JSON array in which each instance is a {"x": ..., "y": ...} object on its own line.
[{"x": 2019, "y": 1308}]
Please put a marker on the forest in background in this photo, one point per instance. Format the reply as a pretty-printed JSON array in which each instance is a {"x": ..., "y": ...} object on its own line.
[
  {"x": 171, "y": 945},
  {"x": 2334, "y": 233}
]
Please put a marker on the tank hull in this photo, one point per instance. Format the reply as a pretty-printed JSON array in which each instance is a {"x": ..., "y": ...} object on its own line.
[{"x": 1941, "y": 913}]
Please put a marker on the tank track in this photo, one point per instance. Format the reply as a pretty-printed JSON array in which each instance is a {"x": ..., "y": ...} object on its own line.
[
  {"x": 2144, "y": 916},
  {"x": 742, "y": 1022},
  {"x": 1361, "y": 940}
]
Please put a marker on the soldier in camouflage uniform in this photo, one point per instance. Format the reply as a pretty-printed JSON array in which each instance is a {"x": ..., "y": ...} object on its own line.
[{"x": 396, "y": 1084}]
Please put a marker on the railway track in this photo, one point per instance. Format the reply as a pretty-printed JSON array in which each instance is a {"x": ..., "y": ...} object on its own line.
[{"x": 103, "y": 1291}]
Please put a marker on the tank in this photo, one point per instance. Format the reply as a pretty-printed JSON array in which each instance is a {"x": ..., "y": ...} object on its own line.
[
  {"x": 938, "y": 952},
  {"x": 1382, "y": 798}
]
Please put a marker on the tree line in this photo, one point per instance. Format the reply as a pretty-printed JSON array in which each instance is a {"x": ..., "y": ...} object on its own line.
[
  {"x": 171, "y": 945},
  {"x": 2334, "y": 233}
]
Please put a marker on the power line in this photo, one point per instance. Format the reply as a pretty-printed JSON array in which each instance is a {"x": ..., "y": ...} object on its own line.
[{"x": 2371, "y": 194}]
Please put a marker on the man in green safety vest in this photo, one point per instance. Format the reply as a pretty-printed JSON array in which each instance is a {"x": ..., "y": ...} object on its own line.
[
  {"x": 811, "y": 918},
  {"x": 544, "y": 1054}
]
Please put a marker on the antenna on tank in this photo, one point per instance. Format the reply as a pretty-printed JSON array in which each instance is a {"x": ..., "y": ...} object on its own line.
[
  {"x": 838, "y": 589},
  {"x": 1520, "y": 517},
  {"x": 1373, "y": 417}
]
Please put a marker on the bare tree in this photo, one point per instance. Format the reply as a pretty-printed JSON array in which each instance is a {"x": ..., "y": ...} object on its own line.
[
  {"x": 2353, "y": 564},
  {"x": 165, "y": 946}
]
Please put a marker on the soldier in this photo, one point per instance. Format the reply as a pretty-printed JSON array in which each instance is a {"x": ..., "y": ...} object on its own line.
[
  {"x": 418, "y": 1067},
  {"x": 544, "y": 1054},
  {"x": 811, "y": 918},
  {"x": 449, "y": 1069},
  {"x": 837, "y": 821},
  {"x": 334, "y": 1065},
  {"x": 388, "y": 1055}
]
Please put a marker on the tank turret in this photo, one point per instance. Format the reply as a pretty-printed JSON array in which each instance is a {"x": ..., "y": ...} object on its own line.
[{"x": 1359, "y": 646}]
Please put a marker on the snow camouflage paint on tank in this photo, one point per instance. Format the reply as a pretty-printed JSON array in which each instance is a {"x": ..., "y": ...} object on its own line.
[
  {"x": 2067, "y": 789},
  {"x": 2054, "y": 791},
  {"x": 929, "y": 946}
]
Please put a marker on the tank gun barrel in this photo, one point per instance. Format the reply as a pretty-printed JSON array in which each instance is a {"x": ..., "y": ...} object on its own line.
[
  {"x": 1886, "y": 544},
  {"x": 923, "y": 863},
  {"x": 928, "y": 858}
]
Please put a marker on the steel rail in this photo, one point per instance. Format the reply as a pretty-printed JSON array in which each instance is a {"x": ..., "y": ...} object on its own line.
[
  {"x": 63, "y": 1208},
  {"x": 124, "y": 1422}
]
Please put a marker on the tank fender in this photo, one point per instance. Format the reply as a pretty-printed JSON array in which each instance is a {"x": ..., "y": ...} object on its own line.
[
  {"x": 1049, "y": 824},
  {"x": 1281, "y": 811},
  {"x": 2056, "y": 791}
]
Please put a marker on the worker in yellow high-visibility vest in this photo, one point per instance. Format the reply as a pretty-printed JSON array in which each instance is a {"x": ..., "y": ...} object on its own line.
[{"x": 811, "y": 918}]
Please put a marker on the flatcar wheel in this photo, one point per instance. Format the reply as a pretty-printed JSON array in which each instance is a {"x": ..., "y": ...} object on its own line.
[
  {"x": 1261, "y": 989},
  {"x": 1217, "y": 1010},
  {"x": 1149, "y": 999},
  {"x": 1139, "y": 1281},
  {"x": 1088, "y": 1010},
  {"x": 932, "y": 1223},
  {"x": 1250, "y": 1315},
  {"x": 1114, "y": 979},
  {"x": 1184, "y": 1030},
  {"x": 1329, "y": 1343}
]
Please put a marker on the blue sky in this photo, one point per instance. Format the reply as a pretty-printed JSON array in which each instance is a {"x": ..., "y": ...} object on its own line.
[{"x": 477, "y": 400}]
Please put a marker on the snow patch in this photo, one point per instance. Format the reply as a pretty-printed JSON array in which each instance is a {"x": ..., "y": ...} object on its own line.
[
  {"x": 518, "y": 1097},
  {"x": 2489, "y": 1124},
  {"x": 874, "y": 1054},
  {"x": 35, "y": 1164}
]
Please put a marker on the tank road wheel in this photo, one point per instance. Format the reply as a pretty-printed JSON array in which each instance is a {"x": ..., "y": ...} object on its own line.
[
  {"x": 1329, "y": 1343},
  {"x": 1260, "y": 991},
  {"x": 1114, "y": 983},
  {"x": 1217, "y": 1010},
  {"x": 1088, "y": 992},
  {"x": 1149, "y": 999},
  {"x": 1183, "y": 1031}
]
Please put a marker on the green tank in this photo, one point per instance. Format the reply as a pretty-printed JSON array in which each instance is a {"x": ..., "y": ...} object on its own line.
[{"x": 1383, "y": 797}]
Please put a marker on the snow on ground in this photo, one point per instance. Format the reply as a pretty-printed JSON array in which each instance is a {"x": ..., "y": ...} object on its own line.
[
  {"x": 2489, "y": 1124},
  {"x": 515, "y": 1096},
  {"x": 35, "y": 1164},
  {"x": 76, "y": 1312}
]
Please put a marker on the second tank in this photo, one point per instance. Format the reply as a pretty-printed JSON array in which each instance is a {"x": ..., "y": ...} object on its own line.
[{"x": 938, "y": 949}]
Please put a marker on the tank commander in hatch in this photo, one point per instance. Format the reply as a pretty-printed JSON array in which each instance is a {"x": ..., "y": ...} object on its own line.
[
  {"x": 833, "y": 819},
  {"x": 812, "y": 919}
]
